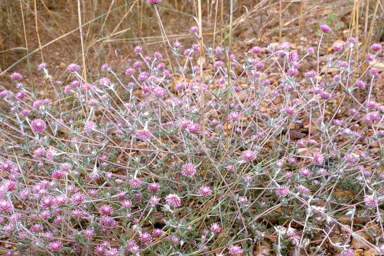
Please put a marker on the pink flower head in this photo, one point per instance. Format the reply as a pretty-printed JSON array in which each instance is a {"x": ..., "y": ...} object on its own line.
[
  {"x": 55, "y": 246},
  {"x": 5, "y": 206},
  {"x": 337, "y": 47},
  {"x": 256, "y": 50},
  {"x": 305, "y": 172},
  {"x": 104, "y": 67},
  {"x": 135, "y": 183},
  {"x": 157, "y": 232},
  {"x": 145, "y": 238},
  {"x": 20, "y": 95},
  {"x": 310, "y": 50},
  {"x": 42, "y": 66},
  {"x": 370, "y": 201},
  {"x": 318, "y": 158},
  {"x": 290, "y": 110},
  {"x": 285, "y": 45},
  {"x": 46, "y": 202},
  {"x": 248, "y": 156},
  {"x": 376, "y": 47},
  {"x": 371, "y": 104},
  {"x": 194, "y": 29},
  {"x": 189, "y": 170},
  {"x": 3, "y": 94},
  {"x": 143, "y": 134},
  {"x": 193, "y": 128},
  {"x": 292, "y": 56},
  {"x": 78, "y": 198},
  {"x": 370, "y": 57},
  {"x": 361, "y": 84},
  {"x": 177, "y": 44},
  {"x": 126, "y": 204},
  {"x": 154, "y": 187},
  {"x": 282, "y": 191},
  {"x": 73, "y": 67},
  {"x": 153, "y": 1},
  {"x": 233, "y": 116},
  {"x": 39, "y": 153},
  {"x": 16, "y": 76},
  {"x": 325, "y": 28},
  {"x": 235, "y": 250},
  {"x": 60, "y": 200},
  {"x": 38, "y": 126},
  {"x": 215, "y": 228},
  {"x": 106, "y": 210},
  {"x": 243, "y": 200},
  {"x": 129, "y": 71},
  {"x": 88, "y": 128},
  {"x": 138, "y": 49},
  {"x": 205, "y": 191},
  {"x": 310, "y": 74},
  {"x": 173, "y": 200}
]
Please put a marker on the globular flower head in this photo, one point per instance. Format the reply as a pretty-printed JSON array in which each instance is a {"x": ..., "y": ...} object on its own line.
[
  {"x": 376, "y": 47},
  {"x": 135, "y": 183},
  {"x": 126, "y": 204},
  {"x": 145, "y": 238},
  {"x": 243, "y": 200},
  {"x": 193, "y": 128},
  {"x": 348, "y": 252},
  {"x": 20, "y": 95},
  {"x": 282, "y": 191},
  {"x": 233, "y": 116},
  {"x": 144, "y": 134},
  {"x": 5, "y": 206},
  {"x": 73, "y": 67},
  {"x": 88, "y": 128},
  {"x": 39, "y": 152},
  {"x": 16, "y": 76},
  {"x": 153, "y": 2},
  {"x": 285, "y": 45},
  {"x": 370, "y": 201},
  {"x": 189, "y": 170},
  {"x": 318, "y": 158},
  {"x": 248, "y": 156},
  {"x": 205, "y": 191},
  {"x": 290, "y": 110},
  {"x": 55, "y": 246},
  {"x": 154, "y": 187},
  {"x": 78, "y": 198},
  {"x": 235, "y": 250},
  {"x": 106, "y": 210},
  {"x": 38, "y": 126},
  {"x": 157, "y": 232},
  {"x": 305, "y": 172},
  {"x": 325, "y": 28},
  {"x": 194, "y": 29},
  {"x": 46, "y": 202},
  {"x": 337, "y": 47},
  {"x": 215, "y": 228},
  {"x": 173, "y": 200}
]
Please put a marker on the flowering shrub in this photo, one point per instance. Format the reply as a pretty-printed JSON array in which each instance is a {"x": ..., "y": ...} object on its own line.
[{"x": 187, "y": 161}]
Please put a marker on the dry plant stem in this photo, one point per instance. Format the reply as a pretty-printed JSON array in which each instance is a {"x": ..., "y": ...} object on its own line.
[
  {"x": 164, "y": 37},
  {"x": 301, "y": 16},
  {"x": 357, "y": 40},
  {"x": 369, "y": 37},
  {"x": 201, "y": 67},
  {"x": 37, "y": 31},
  {"x": 214, "y": 27},
  {"x": 280, "y": 19},
  {"x": 83, "y": 56},
  {"x": 26, "y": 45}
]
